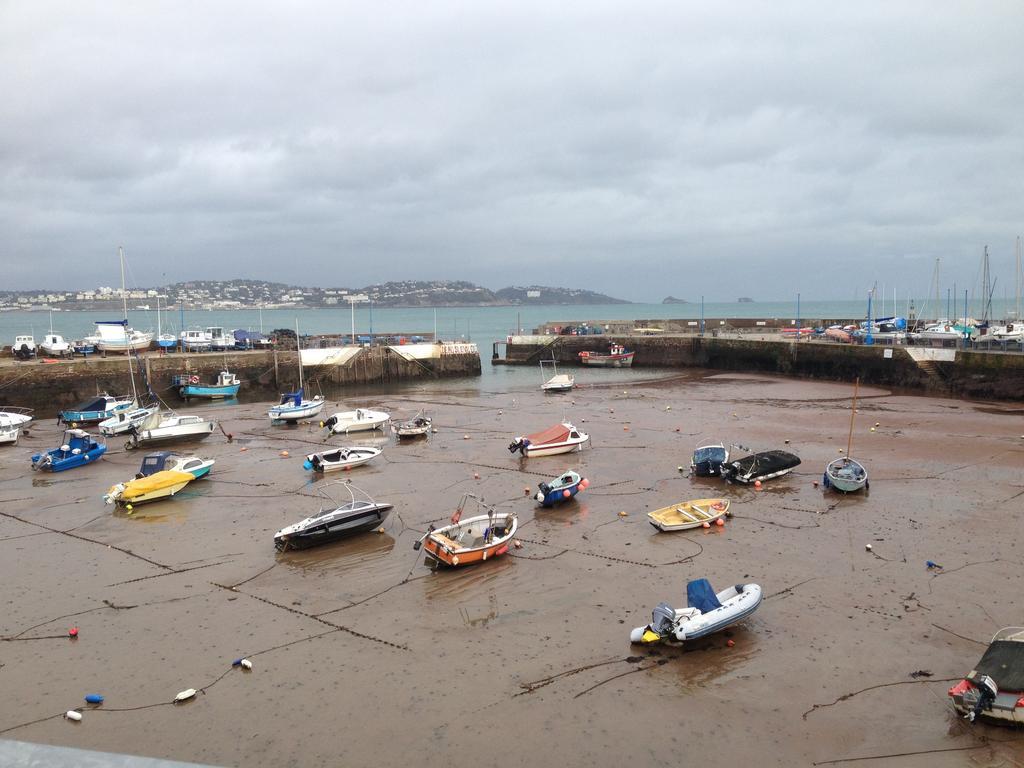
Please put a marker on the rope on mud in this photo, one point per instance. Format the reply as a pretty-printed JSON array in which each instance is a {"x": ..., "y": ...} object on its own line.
[
  {"x": 847, "y": 696},
  {"x": 313, "y": 617},
  {"x": 168, "y": 573}
]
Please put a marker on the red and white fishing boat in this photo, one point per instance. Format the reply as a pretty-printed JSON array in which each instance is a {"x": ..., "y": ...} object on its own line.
[
  {"x": 469, "y": 541},
  {"x": 617, "y": 357},
  {"x": 561, "y": 438},
  {"x": 796, "y": 333},
  {"x": 838, "y": 334}
]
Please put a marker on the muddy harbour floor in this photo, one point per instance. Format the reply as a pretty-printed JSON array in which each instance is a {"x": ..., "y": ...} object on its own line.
[{"x": 363, "y": 656}]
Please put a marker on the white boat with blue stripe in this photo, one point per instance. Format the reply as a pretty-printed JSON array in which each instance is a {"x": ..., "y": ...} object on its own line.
[{"x": 706, "y": 612}]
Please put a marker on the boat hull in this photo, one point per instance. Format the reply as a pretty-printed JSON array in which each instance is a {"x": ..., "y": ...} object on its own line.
[
  {"x": 341, "y": 459},
  {"x": 59, "y": 460},
  {"x": 608, "y": 361},
  {"x": 689, "y": 514},
  {"x": 442, "y": 550},
  {"x": 307, "y": 410},
  {"x": 208, "y": 391},
  {"x": 87, "y": 417},
  {"x": 185, "y": 432},
  {"x": 554, "y": 449},
  {"x": 766, "y": 465},
  {"x": 845, "y": 475}
]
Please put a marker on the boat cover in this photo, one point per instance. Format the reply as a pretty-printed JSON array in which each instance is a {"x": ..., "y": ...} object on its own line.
[
  {"x": 154, "y": 462},
  {"x": 766, "y": 463},
  {"x": 1004, "y": 663},
  {"x": 144, "y": 485},
  {"x": 556, "y": 434},
  {"x": 701, "y": 596},
  {"x": 292, "y": 398},
  {"x": 99, "y": 404}
]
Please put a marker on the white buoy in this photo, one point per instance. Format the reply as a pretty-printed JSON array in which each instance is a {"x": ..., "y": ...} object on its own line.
[
  {"x": 246, "y": 664},
  {"x": 72, "y": 715},
  {"x": 867, "y": 547},
  {"x": 185, "y": 695}
]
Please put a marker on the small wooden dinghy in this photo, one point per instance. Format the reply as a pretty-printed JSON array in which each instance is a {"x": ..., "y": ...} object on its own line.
[
  {"x": 689, "y": 514},
  {"x": 341, "y": 458},
  {"x": 706, "y": 612},
  {"x": 561, "y": 488},
  {"x": 469, "y": 541}
]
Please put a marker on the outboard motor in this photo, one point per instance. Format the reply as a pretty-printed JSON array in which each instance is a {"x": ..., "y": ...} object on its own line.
[
  {"x": 663, "y": 618},
  {"x": 513, "y": 446},
  {"x": 542, "y": 494},
  {"x": 329, "y": 424},
  {"x": 987, "y": 691}
]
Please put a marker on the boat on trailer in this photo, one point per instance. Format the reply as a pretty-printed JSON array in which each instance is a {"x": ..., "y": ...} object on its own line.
[
  {"x": 345, "y": 457},
  {"x": 77, "y": 449},
  {"x": 706, "y": 612},
  {"x": 561, "y": 488},
  {"x": 561, "y": 438},
  {"x": 760, "y": 466},
  {"x": 337, "y": 521},
  {"x": 473, "y": 540},
  {"x": 616, "y": 357},
  {"x": 190, "y": 385},
  {"x": 994, "y": 690},
  {"x": 698, "y": 513},
  {"x": 415, "y": 427}
]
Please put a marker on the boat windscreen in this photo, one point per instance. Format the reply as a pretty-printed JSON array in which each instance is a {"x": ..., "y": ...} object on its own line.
[
  {"x": 1004, "y": 663},
  {"x": 714, "y": 453},
  {"x": 701, "y": 596}
]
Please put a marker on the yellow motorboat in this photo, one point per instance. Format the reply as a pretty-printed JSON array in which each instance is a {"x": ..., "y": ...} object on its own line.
[
  {"x": 689, "y": 514},
  {"x": 159, "y": 485}
]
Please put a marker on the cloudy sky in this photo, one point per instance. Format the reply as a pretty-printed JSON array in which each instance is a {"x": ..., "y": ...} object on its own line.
[{"x": 641, "y": 150}]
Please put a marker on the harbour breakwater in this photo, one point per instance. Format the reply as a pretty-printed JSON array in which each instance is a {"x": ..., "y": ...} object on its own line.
[
  {"x": 973, "y": 374},
  {"x": 265, "y": 373}
]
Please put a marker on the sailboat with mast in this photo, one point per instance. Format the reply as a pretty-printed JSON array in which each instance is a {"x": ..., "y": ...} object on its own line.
[
  {"x": 166, "y": 341},
  {"x": 1013, "y": 331},
  {"x": 845, "y": 473},
  {"x": 125, "y": 420},
  {"x": 294, "y": 406},
  {"x": 115, "y": 335}
]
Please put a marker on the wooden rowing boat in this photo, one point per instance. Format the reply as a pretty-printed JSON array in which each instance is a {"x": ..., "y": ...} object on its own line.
[{"x": 689, "y": 514}]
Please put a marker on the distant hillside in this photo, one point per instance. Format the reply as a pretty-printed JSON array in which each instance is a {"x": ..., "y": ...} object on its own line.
[
  {"x": 537, "y": 294},
  {"x": 673, "y": 300}
]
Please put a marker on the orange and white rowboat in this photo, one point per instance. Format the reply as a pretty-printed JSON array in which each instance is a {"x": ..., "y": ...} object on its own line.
[{"x": 469, "y": 541}]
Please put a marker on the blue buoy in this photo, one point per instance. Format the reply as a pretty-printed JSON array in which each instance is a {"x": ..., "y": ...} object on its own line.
[
  {"x": 236, "y": 663},
  {"x": 93, "y": 698},
  {"x": 307, "y": 464}
]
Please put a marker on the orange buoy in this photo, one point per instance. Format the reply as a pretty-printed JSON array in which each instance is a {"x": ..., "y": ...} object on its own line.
[
  {"x": 73, "y": 632},
  {"x": 623, "y": 514},
  {"x": 566, "y": 493},
  {"x": 284, "y": 454},
  {"x": 719, "y": 522},
  {"x": 476, "y": 475},
  {"x": 526, "y": 491},
  {"x": 757, "y": 483},
  {"x": 705, "y": 524},
  {"x": 730, "y": 643}
]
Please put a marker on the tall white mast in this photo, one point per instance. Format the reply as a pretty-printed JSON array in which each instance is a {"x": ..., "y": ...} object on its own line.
[
  {"x": 127, "y": 339},
  {"x": 298, "y": 348}
]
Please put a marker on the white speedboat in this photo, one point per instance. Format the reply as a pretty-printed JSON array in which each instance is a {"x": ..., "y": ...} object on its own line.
[
  {"x": 561, "y": 438},
  {"x": 1008, "y": 332},
  {"x": 341, "y": 458},
  {"x": 12, "y": 419},
  {"x": 170, "y": 426},
  {"x": 706, "y": 612},
  {"x": 196, "y": 341},
  {"x": 359, "y": 420},
  {"x": 125, "y": 421}
]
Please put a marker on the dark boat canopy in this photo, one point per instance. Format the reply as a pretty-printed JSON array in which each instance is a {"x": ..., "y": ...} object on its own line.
[
  {"x": 96, "y": 404},
  {"x": 1004, "y": 663},
  {"x": 292, "y": 398}
]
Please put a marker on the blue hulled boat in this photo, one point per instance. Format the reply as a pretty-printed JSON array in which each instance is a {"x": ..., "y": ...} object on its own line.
[
  {"x": 79, "y": 448},
  {"x": 98, "y": 408},
  {"x": 561, "y": 488},
  {"x": 190, "y": 386}
]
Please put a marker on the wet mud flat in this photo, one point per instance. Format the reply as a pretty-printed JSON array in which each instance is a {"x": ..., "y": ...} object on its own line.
[{"x": 362, "y": 655}]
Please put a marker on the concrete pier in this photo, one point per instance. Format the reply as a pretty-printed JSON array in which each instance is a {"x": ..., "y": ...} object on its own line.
[
  {"x": 265, "y": 373},
  {"x": 981, "y": 375}
]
